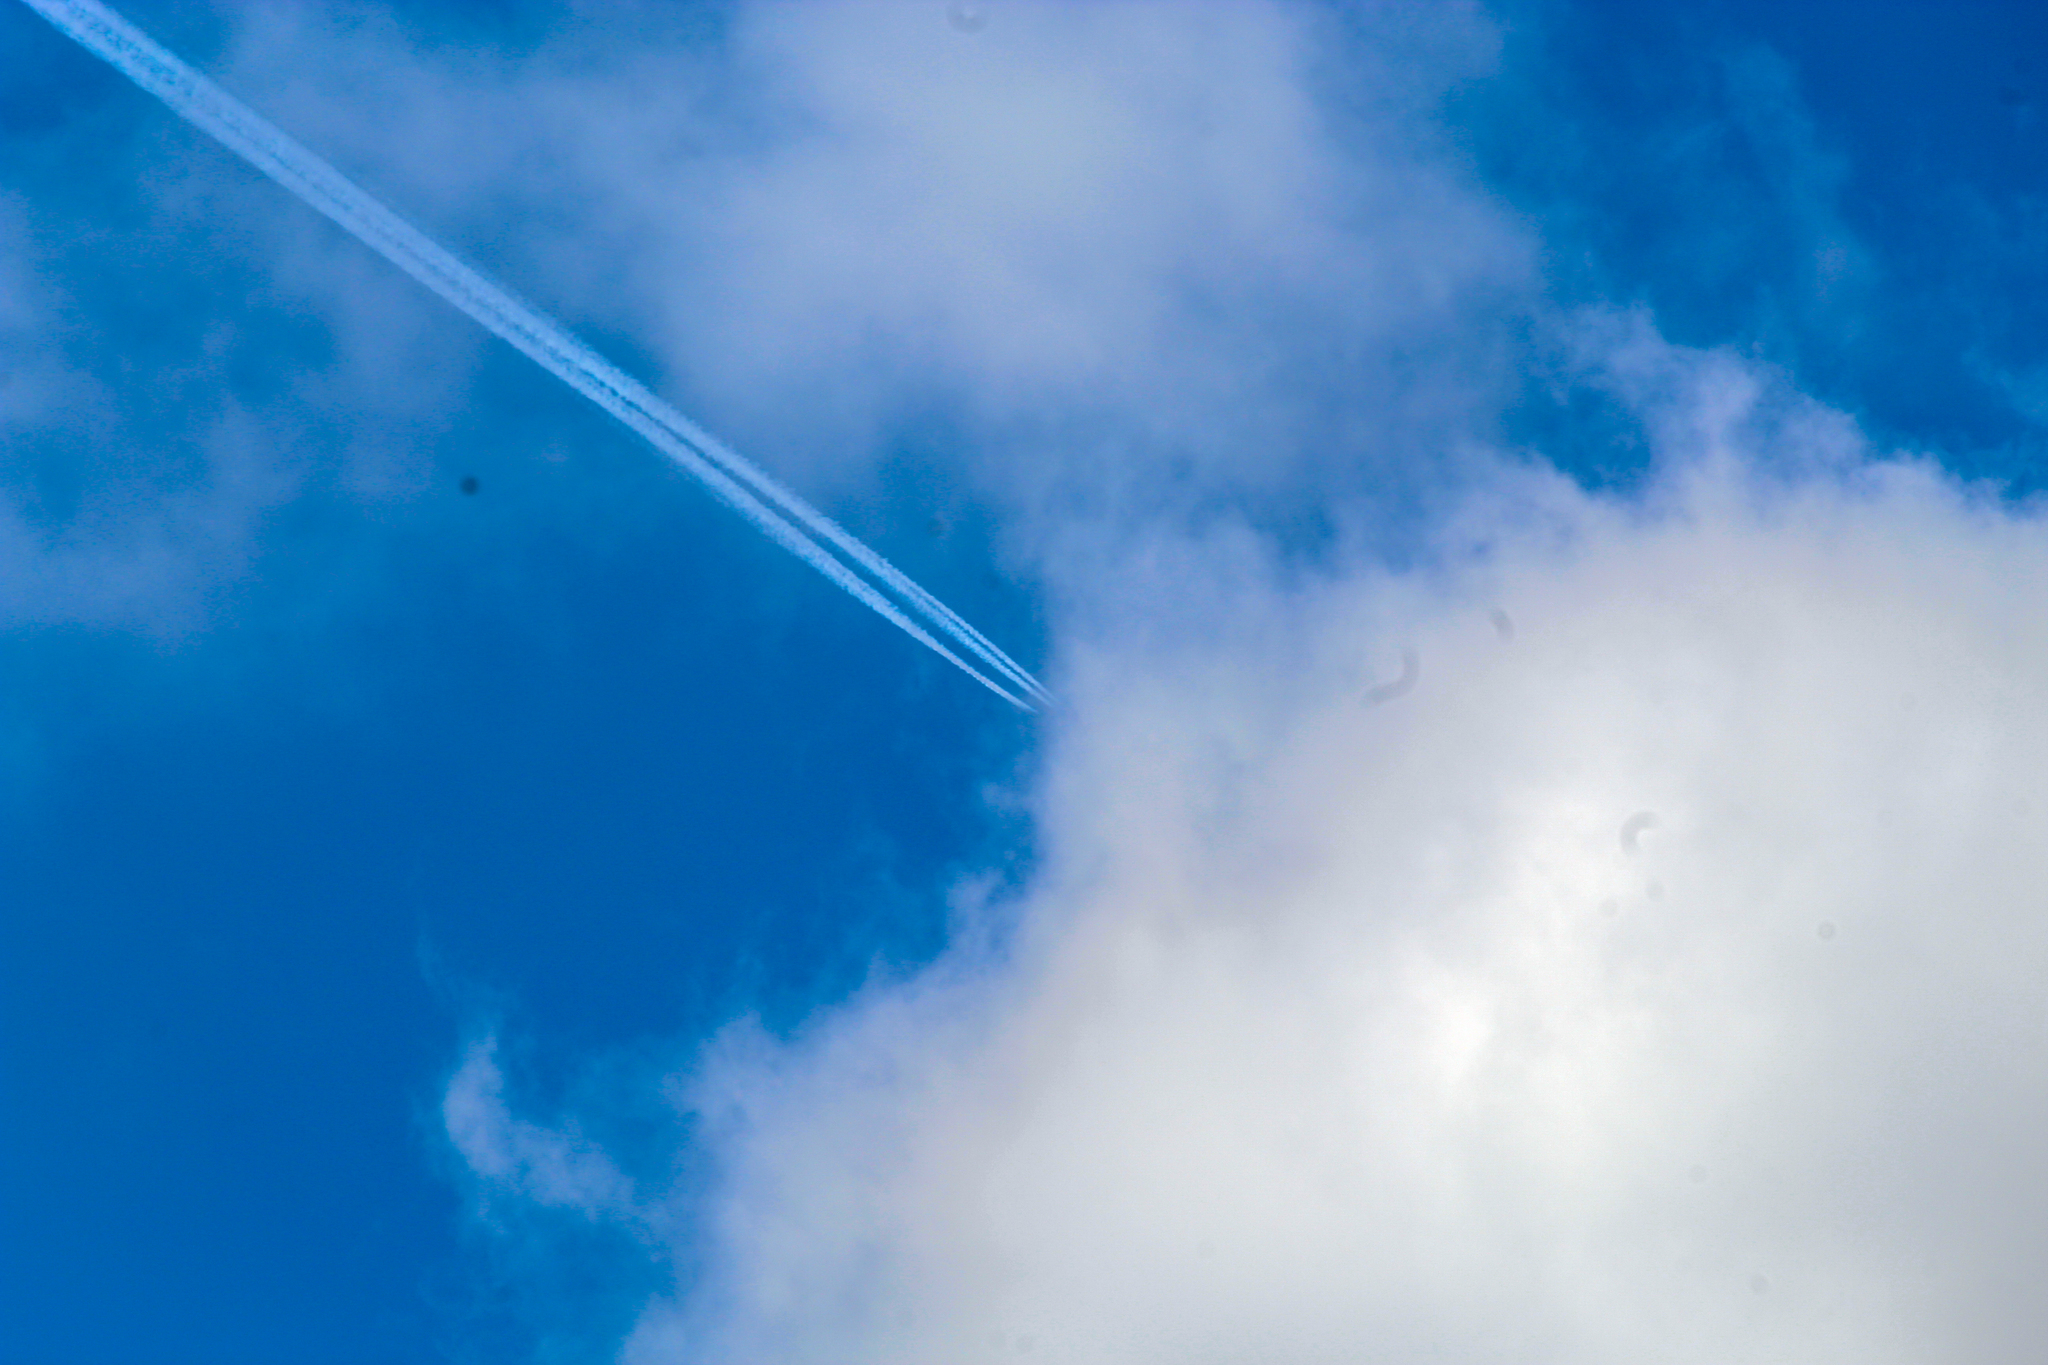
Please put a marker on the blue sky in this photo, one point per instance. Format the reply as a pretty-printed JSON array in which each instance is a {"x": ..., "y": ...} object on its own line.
[{"x": 551, "y": 923}]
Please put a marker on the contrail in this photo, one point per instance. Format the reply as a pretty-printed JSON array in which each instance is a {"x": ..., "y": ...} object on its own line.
[{"x": 788, "y": 519}]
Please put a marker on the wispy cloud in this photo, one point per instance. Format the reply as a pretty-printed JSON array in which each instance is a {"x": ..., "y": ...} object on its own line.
[
  {"x": 1137, "y": 256},
  {"x": 549, "y": 1167},
  {"x": 734, "y": 480},
  {"x": 96, "y": 525}
]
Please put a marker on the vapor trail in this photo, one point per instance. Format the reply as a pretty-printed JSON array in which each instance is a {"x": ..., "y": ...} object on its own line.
[{"x": 788, "y": 519}]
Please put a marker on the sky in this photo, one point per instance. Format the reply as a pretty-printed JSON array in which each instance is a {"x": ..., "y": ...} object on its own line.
[{"x": 1531, "y": 516}]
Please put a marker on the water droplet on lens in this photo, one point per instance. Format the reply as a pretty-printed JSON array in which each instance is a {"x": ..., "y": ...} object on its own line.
[
  {"x": 1633, "y": 827},
  {"x": 1411, "y": 669}
]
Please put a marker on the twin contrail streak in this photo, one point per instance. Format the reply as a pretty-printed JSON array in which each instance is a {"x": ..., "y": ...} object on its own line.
[{"x": 788, "y": 519}]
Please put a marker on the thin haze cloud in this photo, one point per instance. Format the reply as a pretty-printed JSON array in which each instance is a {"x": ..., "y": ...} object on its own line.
[{"x": 786, "y": 519}]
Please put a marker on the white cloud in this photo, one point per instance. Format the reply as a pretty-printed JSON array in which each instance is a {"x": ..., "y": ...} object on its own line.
[
  {"x": 1346, "y": 1023},
  {"x": 1138, "y": 213},
  {"x": 1134, "y": 248},
  {"x": 1336, "y": 1031}
]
